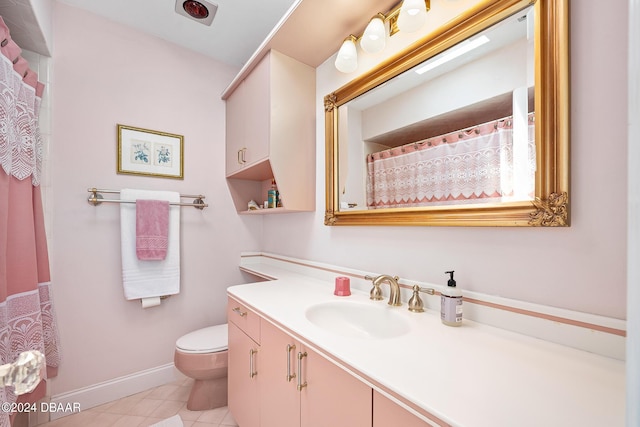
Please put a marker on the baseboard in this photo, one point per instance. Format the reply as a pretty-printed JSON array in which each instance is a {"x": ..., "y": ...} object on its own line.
[{"x": 117, "y": 388}]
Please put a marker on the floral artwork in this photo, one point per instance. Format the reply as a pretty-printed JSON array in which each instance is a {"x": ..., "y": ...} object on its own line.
[
  {"x": 148, "y": 152},
  {"x": 163, "y": 155},
  {"x": 140, "y": 153}
]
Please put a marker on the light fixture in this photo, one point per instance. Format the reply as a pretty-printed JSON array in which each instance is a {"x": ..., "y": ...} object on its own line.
[
  {"x": 413, "y": 15},
  {"x": 374, "y": 38},
  {"x": 195, "y": 9},
  {"x": 381, "y": 26},
  {"x": 347, "y": 59},
  {"x": 201, "y": 11},
  {"x": 459, "y": 49}
]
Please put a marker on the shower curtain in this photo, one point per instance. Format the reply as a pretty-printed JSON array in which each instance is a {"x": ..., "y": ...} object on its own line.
[
  {"x": 474, "y": 165},
  {"x": 27, "y": 320}
]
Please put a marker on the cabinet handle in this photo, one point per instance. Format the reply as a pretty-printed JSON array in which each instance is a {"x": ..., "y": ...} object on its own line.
[
  {"x": 290, "y": 376},
  {"x": 239, "y": 312},
  {"x": 252, "y": 372},
  {"x": 241, "y": 153},
  {"x": 300, "y": 357}
]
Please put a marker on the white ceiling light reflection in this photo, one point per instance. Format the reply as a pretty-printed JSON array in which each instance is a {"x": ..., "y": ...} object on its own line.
[{"x": 458, "y": 50}]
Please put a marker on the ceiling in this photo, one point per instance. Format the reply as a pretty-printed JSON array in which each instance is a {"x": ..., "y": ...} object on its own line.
[
  {"x": 241, "y": 32},
  {"x": 238, "y": 27}
]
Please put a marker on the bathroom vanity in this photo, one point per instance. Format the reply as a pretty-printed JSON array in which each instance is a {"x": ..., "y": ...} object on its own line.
[
  {"x": 284, "y": 400},
  {"x": 301, "y": 356}
]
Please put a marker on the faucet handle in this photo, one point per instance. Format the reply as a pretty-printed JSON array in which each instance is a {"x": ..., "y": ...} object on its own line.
[
  {"x": 429, "y": 291},
  {"x": 415, "y": 302},
  {"x": 375, "y": 293}
]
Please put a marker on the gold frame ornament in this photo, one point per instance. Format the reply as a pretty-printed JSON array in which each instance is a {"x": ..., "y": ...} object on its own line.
[
  {"x": 150, "y": 153},
  {"x": 551, "y": 204}
]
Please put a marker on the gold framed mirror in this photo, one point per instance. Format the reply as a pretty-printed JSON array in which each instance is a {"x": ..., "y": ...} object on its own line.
[{"x": 375, "y": 142}]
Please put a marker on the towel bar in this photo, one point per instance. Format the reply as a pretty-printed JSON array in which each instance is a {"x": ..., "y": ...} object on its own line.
[{"x": 95, "y": 199}]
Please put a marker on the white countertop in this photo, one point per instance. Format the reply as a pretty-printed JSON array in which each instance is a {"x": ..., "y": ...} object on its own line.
[{"x": 470, "y": 376}]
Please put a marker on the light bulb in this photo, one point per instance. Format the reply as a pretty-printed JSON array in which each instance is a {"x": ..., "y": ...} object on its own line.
[
  {"x": 413, "y": 15},
  {"x": 347, "y": 59},
  {"x": 375, "y": 35}
]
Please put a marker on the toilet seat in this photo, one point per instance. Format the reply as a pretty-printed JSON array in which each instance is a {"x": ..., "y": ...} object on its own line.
[{"x": 206, "y": 340}]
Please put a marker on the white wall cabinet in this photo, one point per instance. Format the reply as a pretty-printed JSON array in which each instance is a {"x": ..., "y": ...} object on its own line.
[{"x": 270, "y": 134}]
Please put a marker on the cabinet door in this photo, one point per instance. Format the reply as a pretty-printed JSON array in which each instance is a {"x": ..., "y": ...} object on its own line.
[
  {"x": 331, "y": 396},
  {"x": 279, "y": 397},
  {"x": 243, "y": 378},
  {"x": 235, "y": 131},
  {"x": 388, "y": 413},
  {"x": 257, "y": 112},
  {"x": 248, "y": 119}
]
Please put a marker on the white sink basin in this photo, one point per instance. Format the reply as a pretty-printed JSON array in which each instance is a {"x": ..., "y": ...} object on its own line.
[{"x": 358, "y": 320}]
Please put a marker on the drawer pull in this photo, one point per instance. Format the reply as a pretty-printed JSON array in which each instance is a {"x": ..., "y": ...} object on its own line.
[
  {"x": 239, "y": 312},
  {"x": 252, "y": 372},
  {"x": 300, "y": 357},
  {"x": 290, "y": 376}
]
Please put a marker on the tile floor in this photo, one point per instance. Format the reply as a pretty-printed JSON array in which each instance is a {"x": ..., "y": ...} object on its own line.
[{"x": 146, "y": 408}]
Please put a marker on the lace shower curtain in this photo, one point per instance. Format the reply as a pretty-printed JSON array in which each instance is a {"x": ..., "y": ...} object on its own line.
[
  {"x": 470, "y": 166},
  {"x": 27, "y": 319}
]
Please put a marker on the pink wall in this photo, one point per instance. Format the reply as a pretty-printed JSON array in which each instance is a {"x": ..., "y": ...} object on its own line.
[
  {"x": 105, "y": 74},
  {"x": 581, "y": 268}
]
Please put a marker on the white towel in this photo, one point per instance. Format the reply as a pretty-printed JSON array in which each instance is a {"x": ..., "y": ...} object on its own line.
[{"x": 144, "y": 279}]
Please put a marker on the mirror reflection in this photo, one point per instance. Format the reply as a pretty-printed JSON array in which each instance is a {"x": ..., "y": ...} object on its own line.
[{"x": 457, "y": 129}]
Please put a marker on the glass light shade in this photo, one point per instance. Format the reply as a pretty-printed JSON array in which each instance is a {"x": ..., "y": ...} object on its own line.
[
  {"x": 413, "y": 15},
  {"x": 347, "y": 59},
  {"x": 374, "y": 38}
]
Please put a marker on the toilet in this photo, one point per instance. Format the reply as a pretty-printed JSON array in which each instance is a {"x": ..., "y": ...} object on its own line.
[{"x": 202, "y": 355}]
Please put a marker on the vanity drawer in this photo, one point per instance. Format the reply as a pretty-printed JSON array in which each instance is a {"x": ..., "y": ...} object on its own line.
[{"x": 245, "y": 319}]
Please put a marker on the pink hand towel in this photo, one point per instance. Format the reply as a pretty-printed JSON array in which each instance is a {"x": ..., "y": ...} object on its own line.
[{"x": 152, "y": 229}]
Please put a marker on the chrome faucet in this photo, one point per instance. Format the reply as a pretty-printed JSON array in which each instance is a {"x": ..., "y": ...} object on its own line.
[{"x": 376, "y": 293}]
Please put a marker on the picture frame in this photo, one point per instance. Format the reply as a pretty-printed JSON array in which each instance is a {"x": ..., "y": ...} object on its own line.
[{"x": 150, "y": 153}]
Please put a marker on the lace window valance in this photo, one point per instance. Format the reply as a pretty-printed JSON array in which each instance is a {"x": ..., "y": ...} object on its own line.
[{"x": 468, "y": 166}]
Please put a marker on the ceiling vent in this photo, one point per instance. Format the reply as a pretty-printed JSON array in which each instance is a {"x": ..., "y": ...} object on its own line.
[{"x": 200, "y": 11}]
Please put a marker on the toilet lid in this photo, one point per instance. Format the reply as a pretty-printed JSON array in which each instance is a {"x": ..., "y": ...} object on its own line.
[{"x": 206, "y": 340}]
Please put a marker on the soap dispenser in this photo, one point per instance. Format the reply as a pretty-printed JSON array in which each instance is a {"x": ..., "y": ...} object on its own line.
[{"x": 451, "y": 303}]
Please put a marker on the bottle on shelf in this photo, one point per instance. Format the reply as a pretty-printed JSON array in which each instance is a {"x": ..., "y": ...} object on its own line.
[{"x": 272, "y": 195}]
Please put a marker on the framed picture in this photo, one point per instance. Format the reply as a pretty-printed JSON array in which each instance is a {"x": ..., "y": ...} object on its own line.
[{"x": 149, "y": 152}]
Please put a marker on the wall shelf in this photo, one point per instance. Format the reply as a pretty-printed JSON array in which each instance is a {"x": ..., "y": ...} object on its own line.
[{"x": 269, "y": 211}]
